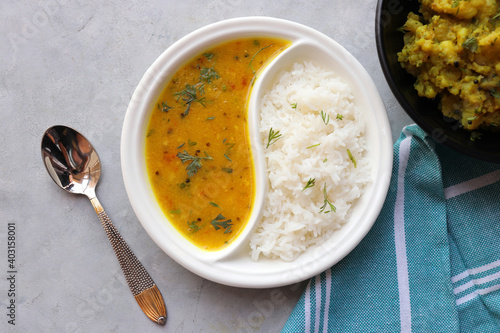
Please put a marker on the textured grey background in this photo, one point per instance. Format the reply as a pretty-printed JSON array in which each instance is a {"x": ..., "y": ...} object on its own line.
[{"x": 77, "y": 63}]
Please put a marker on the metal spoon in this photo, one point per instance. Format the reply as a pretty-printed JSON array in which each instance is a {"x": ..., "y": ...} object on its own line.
[{"x": 74, "y": 165}]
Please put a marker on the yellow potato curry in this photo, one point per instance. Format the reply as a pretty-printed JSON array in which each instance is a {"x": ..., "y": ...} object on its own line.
[
  {"x": 452, "y": 47},
  {"x": 198, "y": 154}
]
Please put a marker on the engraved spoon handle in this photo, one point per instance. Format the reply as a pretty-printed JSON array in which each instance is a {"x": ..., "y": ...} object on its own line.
[{"x": 143, "y": 288}]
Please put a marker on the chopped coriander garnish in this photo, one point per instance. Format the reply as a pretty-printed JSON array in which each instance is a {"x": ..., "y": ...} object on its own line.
[
  {"x": 208, "y": 55},
  {"x": 273, "y": 137},
  {"x": 455, "y": 3},
  {"x": 228, "y": 150},
  {"x": 471, "y": 44},
  {"x": 251, "y": 60},
  {"x": 353, "y": 160},
  {"x": 214, "y": 204},
  {"x": 176, "y": 211},
  {"x": 190, "y": 95},
  {"x": 164, "y": 107},
  {"x": 208, "y": 74},
  {"x": 219, "y": 223},
  {"x": 326, "y": 202},
  {"x": 150, "y": 132},
  {"x": 293, "y": 105},
  {"x": 191, "y": 143},
  {"x": 325, "y": 160},
  {"x": 193, "y": 226},
  {"x": 339, "y": 116},
  {"x": 310, "y": 183},
  {"x": 228, "y": 170},
  {"x": 195, "y": 164},
  {"x": 313, "y": 146},
  {"x": 229, "y": 146},
  {"x": 325, "y": 117}
]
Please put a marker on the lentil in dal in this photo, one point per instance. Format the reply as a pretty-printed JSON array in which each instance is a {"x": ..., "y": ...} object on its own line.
[{"x": 198, "y": 153}]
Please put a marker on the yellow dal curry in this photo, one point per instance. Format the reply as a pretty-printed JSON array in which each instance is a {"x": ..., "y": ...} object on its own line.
[
  {"x": 198, "y": 154},
  {"x": 453, "y": 48}
]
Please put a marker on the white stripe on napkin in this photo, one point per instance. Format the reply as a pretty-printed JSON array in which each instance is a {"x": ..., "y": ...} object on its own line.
[
  {"x": 474, "y": 271},
  {"x": 463, "y": 287},
  {"x": 472, "y": 184},
  {"x": 476, "y": 293},
  {"x": 307, "y": 307},
  {"x": 466, "y": 298},
  {"x": 476, "y": 282},
  {"x": 459, "y": 277},
  {"x": 400, "y": 238},
  {"x": 328, "y": 280},
  {"x": 317, "y": 313}
]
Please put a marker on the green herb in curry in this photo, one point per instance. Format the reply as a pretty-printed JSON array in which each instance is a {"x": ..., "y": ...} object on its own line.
[
  {"x": 195, "y": 164},
  {"x": 221, "y": 222},
  {"x": 191, "y": 94}
]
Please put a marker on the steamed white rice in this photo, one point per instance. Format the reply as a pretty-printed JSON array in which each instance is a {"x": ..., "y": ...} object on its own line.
[{"x": 292, "y": 221}]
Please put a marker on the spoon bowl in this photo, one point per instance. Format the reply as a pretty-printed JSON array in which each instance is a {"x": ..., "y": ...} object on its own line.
[
  {"x": 71, "y": 160},
  {"x": 74, "y": 165}
]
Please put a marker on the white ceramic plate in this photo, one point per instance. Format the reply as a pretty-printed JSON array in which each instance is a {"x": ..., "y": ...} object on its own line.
[{"x": 233, "y": 265}]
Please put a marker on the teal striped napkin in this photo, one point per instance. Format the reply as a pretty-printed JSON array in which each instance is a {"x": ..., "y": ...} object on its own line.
[{"x": 431, "y": 262}]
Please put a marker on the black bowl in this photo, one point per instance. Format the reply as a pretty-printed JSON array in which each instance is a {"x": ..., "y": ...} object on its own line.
[{"x": 391, "y": 15}]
